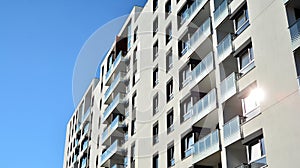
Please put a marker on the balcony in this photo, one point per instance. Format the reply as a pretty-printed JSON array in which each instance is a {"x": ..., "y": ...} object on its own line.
[
  {"x": 225, "y": 48},
  {"x": 201, "y": 33},
  {"x": 86, "y": 114},
  {"x": 204, "y": 106},
  {"x": 117, "y": 166},
  {"x": 232, "y": 131},
  {"x": 116, "y": 104},
  {"x": 113, "y": 152},
  {"x": 203, "y": 68},
  {"x": 116, "y": 66},
  {"x": 83, "y": 163},
  {"x": 228, "y": 87},
  {"x": 86, "y": 129},
  {"x": 115, "y": 124},
  {"x": 221, "y": 12},
  {"x": 117, "y": 85},
  {"x": 85, "y": 145},
  {"x": 206, "y": 146},
  {"x": 196, "y": 6},
  {"x": 198, "y": 36},
  {"x": 295, "y": 34}
]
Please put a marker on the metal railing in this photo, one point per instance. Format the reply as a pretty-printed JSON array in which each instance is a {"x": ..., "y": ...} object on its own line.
[{"x": 228, "y": 86}]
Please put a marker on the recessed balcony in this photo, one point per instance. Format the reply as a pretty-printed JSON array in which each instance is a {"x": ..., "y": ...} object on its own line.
[
  {"x": 295, "y": 34},
  {"x": 118, "y": 65},
  {"x": 229, "y": 87},
  {"x": 220, "y": 13},
  {"x": 225, "y": 47},
  {"x": 202, "y": 69},
  {"x": 232, "y": 131},
  {"x": 114, "y": 152},
  {"x": 204, "y": 106},
  {"x": 192, "y": 10},
  {"x": 206, "y": 146},
  {"x": 117, "y": 105},
  {"x": 118, "y": 85},
  {"x": 112, "y": 130}
]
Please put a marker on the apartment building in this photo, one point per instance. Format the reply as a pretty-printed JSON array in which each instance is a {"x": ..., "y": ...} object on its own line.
[{"x": 194, "y": 83}]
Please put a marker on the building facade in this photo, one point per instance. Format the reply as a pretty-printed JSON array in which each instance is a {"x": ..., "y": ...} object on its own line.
[{"x": 194, "y": 83}]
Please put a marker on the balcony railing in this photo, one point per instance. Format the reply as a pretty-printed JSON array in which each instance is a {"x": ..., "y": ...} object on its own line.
[
  {"x": 204, "y": 106},
  {"x": 86, "y": 128},
  {"x": 202, "y": 32},
  {"x": 120, "y": 77},
  {"x": 85, "y": 145},
  {"x": 120, "y": 98},
  {"x": 110, "y": 129},
  {"x": 206, "y": 146},
  {"x": 196, "y": 5},
  {"x": 117, "y": 166},
  {"x": 295, "y": 34},
  {"x": 203, "y": 68},
  {"x": 109, "y": 152},
  {"x": 83, "y": 163},
  {"x": 232, "y": 131},
  {"x": 114, "y": 65},
  {"x": 228, "y": 87},
  {"x": 224, "y": 48},
  {"x": 221, "y": 12},
  {"x": 86, "y": 114}
]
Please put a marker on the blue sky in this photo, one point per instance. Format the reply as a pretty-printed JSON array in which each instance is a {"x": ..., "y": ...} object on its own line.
[{"x": 39, "y": 44}]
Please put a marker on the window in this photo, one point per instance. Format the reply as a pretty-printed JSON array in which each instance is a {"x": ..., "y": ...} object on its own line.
[
  {"x": 186, "y": 108},
  {"x": 251, "y": 103},
  {"x": 155, "y": 76},
  {"x": 155, "y": 104},
  {"x": 93, "y": 98},
  {"x": 169, "y": 33},
  {"x": 100, "y": 104},
  {"x": 168, "y": 8},
  {"x": 169, "y": 60},
  {"x": 170, "y": 156},
  {"x": 155, "y": 161},
  {"x": 133, "y": 128},
  {"x": 132, "y": 158},
  {"x": 187, "y": 145},
  {"x": 134, "y": 77},
  {"x": 185, "y": 76},
  {"x": 155, "y": 5},
  {"x": 241, "y": 22},
  {"x": 155, "y": 133},
  {"x": 257, "y": 153},
  {"x": 135, "y": 55},
  {"x": 135, "y": 34},
  {"x": 155, "y": 26},
  {"x": 155, "y": 50},
  {"x": 170, "y": 90},
  {"x": 170, "y": 121},
  {"x": 246, "y": 60},
  {"x": 133, "y": 100}
]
